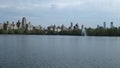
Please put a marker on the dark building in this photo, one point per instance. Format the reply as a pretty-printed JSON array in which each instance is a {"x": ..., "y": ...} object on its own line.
[
  {"x": 76, "y": 27},
  {"x": 104, "y": 25},
  {"x": 18, "y": 24},
  {"x": 98, "y": 26},
  {"x": 111, "y": 24},
  {"x": 71, "y": 24},
  {"x": 24, "y": 22},
  {"x": 5, "y": 26}
]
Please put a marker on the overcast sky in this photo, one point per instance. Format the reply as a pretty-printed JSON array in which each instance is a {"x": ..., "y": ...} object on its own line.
[{"x": 47, "y": 12}]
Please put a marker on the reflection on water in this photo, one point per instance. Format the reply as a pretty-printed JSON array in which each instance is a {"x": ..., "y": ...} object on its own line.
[{"x": 34, "y": 51}]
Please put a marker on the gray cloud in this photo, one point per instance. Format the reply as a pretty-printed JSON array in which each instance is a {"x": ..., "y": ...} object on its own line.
[{"x": 65, "y": 10}]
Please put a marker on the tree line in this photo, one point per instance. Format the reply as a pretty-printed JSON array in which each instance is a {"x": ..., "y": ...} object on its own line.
[
  {"x": 103, "y": 31},
  {"x": 90, "y": 32},
  {"x": 41, "y": 32}
]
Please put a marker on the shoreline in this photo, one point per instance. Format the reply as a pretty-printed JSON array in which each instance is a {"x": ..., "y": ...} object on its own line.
[{"x": 58, "y": 35}]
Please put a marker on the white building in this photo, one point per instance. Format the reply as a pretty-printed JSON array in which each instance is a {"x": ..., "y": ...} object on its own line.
[
  {"x": 29, "y": 26},
  {"x": 58, "y": 29},
  {"x": 39, "y": 27},
  {"x": 1, "y": 26}
]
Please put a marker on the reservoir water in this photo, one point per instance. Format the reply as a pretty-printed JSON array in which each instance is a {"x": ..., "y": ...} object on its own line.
[{"x": 36, "y": 51}]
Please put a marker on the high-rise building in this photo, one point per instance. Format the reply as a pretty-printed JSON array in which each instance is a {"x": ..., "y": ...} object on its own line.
[
  {"x": 71, "y": 26},
  {"x": 111, "y": 24},
  {"x": 104, "y": 25},
  {"x": 76, "y": 27},
  {"x": 24, "y": 22},
  {"x": 18, "y": 24},
  {"x": 98, "y": 26},
  {"x": 29, "y": 26}
]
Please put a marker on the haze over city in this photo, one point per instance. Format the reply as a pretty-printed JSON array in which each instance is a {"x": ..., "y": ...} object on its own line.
[{"x": 48, "y": 12}]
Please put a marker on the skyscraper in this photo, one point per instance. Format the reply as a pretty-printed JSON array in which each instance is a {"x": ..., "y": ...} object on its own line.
[
  {"x": 98, "y": 26},
  {"x": 18, "y": 24},
  {"x": 71, "y": 26},
  {"x": 111, "y": 24},
  {"x": 104, "y": 25},
  {"x": 24, "y": 22}
]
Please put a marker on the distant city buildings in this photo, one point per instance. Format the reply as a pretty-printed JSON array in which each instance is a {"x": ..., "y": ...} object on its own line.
[
  {"x": 23, "y": 25},
  {"x": 104, "y": 25},
  {"x": 62, "y": 27}
]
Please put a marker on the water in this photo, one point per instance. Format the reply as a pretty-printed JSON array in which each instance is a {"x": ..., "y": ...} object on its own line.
[
  {"x": 34, "y": 51},
  {"x": 84, "y": 33}
]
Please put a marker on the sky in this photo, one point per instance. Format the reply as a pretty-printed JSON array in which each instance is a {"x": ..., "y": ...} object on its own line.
[{"x": 90, "y": 13}]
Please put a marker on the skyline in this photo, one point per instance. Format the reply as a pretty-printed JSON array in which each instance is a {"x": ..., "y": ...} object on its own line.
[
  {"x": 15, "y": 24},
  {"x": 25, "y": 27},
  {"x": 87, "y": 12}
]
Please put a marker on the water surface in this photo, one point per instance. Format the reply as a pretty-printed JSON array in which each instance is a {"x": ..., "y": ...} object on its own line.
[{"x": 34, "y": 51}]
